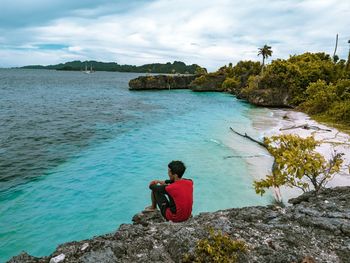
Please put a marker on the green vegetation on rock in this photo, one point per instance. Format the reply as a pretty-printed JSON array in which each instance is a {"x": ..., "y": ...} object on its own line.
[
  {"x": 231, "y": 84},
  {"x": 218, "y": 247},
  {"x": 227, "y": 78},
  {"x": 312, "y": 82},
  {"x": 242, "y": 71},
  {"x": 328, "y": 101},
  {"x": 209, "y": 82},
  {"x": 292, "y": 76}
]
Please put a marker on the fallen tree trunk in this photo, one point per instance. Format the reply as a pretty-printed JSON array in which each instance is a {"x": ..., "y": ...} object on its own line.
[
  {"x": 250, "y": 138},
  {"x": 305, "y": 127},
  {"x": 242, "y": 156},
  {"x": 276, "y": 190}
]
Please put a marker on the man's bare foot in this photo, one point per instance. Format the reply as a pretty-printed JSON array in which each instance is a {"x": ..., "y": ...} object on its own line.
[{"x": 149, "y": 209}]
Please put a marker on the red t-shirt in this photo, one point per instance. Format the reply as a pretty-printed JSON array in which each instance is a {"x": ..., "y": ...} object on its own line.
[{"x": 182, "y": 193}]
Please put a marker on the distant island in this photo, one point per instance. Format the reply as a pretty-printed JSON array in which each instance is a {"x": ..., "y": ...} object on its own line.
[{"x": 175, "y": 67}]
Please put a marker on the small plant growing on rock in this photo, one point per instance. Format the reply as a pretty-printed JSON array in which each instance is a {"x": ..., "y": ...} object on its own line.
[
  {"x": 297, "y": 164},
  {"x": 217, "y": 247}
]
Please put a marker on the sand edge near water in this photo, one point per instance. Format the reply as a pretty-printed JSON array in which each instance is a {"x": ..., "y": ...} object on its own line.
[{"x": 284, "y": 121}]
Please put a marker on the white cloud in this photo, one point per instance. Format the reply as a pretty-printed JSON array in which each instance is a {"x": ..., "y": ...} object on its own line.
[
  {"x": 75, "y": 49},
  {"x": 209, "y": 33}
]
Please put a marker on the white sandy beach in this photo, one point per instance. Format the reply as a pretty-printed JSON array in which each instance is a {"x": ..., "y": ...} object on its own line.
[
  {"x": 275, "y": 121},
  {"x": 331, "y": 139}
]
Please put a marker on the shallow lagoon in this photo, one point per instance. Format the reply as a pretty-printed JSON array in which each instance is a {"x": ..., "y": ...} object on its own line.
[{"x": 93, "y": 146}]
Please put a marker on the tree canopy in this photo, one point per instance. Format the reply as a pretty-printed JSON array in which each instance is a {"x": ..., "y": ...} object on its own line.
[
  {"x": 175, "y": 67},
  {"x": 297, "y": 164}
]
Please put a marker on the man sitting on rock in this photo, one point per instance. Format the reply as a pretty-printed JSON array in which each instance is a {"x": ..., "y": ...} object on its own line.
[{"x": 174, "y": 197}]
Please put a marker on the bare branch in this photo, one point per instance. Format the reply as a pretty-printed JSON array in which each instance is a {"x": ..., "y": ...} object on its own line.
[
  {"x": 305, "y": 127},
  {"x": 250, "y": 138}
]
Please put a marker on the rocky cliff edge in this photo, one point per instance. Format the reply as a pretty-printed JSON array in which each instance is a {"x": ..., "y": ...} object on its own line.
[{"x": 310, "y": 230}]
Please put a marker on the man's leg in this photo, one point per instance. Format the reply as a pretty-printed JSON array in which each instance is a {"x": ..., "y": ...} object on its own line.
[
  {"x": 154, "y": 203},
  {"x": 161, "y": 201}
]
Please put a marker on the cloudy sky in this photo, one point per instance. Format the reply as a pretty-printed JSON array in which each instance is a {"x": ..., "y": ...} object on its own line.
[{"x": 209, "y": 33}]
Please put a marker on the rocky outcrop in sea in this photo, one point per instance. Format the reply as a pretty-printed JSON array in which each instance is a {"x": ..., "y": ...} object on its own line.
[
  {"x": 208, "y": 82},
  {"x": 161, "y": 82},
  {"x": 311, "y": 229}
]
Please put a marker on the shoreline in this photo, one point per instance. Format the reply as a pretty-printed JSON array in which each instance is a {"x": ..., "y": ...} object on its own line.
[
  {"x": 332, "y": 139},
  {"x": 267, "y": 122}
]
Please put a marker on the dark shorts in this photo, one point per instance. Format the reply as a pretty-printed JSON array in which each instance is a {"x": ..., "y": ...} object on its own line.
[{"x": 163, "y": 203}]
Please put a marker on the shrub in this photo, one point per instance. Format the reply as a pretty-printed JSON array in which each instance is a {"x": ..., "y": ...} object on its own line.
[
  {"x": 297, "y": 164},
  {"x": 217, "y": 247},
  {"x": 200, "y": 80},
  {"x": 340, "y": 111},
  {"x": 231, "y": 85},
  {"x": 342, "y": 89},
  {"x": 320, "y": 97},
  {"x": 200, "y": 71},
  {"x": 296, "y": 73},
  {"x": 243, "y": 70}
]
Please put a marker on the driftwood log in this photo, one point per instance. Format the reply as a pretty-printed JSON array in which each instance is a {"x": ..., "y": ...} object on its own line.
[
  {"x": 305, "y": 127},
  {"x": 250, "y": 138},
  {"x": 276, "y": 190},
  {"x": 244, "y": 156}
]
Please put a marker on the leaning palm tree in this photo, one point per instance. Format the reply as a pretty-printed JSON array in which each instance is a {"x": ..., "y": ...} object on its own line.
[{"x": 266, "y": 52}]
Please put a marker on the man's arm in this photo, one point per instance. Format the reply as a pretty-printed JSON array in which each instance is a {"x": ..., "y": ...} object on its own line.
[
  {"x": 161, "y": 182},
  {"x": 158, "y": 188}
]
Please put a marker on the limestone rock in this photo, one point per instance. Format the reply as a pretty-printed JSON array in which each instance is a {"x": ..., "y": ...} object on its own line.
[
  {"x": 312, "y": 229},
  {"x": 58, "y": 258},
  {"x": 146, "y": 218},
  {"x": 161, "y": 82},
  {"x": 268, "y": 98},
  {"x": 208, "y": 82}
]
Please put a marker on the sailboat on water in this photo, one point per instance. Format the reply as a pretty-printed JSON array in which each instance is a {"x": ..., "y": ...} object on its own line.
[{"x": 86, "y": 71}]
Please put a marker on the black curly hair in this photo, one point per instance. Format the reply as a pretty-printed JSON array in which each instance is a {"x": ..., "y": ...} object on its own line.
[{"x": 177, "y": 167}]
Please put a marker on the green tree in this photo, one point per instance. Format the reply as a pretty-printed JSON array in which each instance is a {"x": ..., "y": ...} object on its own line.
[
  {"x": 297, "y": 164},
  {"x": 231, "y": 85},
  {"x": 265, "y": 52},
  {"x": 340, "y": 112},
  {"x": 328, "y": 101},
  {"x": 200, "y": 71},
  {"x": 243, "y": 70},
  {"x": 320, "y": 97},
  {"x": 292, "y": 76}
]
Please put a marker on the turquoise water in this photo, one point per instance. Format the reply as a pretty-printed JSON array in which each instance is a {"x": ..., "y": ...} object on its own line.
[{"x": 101, "y": 180}]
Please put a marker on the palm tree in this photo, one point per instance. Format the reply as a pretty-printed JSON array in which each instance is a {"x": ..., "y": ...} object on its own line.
[
  {"x": 335, "y": 57},
  {"x": 266, "y": 52},
  {"x": 348, "y": 62}
]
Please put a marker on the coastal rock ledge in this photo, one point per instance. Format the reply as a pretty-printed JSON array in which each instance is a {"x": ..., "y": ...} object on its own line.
[
  {"x": 310, "y": 230},
  {"x": 161, "y": 82}
]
